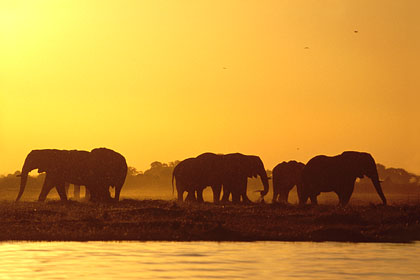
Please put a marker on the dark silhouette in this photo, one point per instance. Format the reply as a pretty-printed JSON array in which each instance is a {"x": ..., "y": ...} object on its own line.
[
  {"x": 285, "y": 176},
  {"x": 208, "y": 169},
  {"x": 236, "y": 171},
  {"x": 97, "y": 170},
  {"x": 337, "y": 174},
  {"x": 193, "y": 175},
  {"x": 111, "y": 170}
]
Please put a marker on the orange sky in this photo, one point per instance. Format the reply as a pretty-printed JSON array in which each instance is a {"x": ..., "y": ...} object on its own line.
[{"x": 167, "y": 80}]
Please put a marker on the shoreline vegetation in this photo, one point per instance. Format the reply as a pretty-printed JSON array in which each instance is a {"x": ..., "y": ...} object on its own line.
[{"x": 167, "y": 220}]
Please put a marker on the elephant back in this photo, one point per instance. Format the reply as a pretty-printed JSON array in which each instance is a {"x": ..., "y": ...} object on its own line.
[
  {"x": 288, "y": 172},
  {"x": 109, "y": 166}
]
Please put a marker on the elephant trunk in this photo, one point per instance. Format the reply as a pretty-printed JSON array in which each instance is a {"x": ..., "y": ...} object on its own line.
[
  {"x": 264, "y": 180},
  {"x": 23, "y": 180},
  {"x": 377, "y": 184},
  {"x": 120, "y": 184}
]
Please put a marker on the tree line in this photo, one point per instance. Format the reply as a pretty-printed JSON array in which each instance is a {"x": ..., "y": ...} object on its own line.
[{"x": 158, "y": 177}]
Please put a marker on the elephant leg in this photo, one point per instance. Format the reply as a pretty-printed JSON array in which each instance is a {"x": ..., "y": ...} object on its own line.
[
  {"x": 284, "y": 194},
  {"x": 275, "y": 195},
  {"x": 243, "y": 190},
  {"x": 101, "y": 194},
  {"x": 117, "y": 193},
  {"x": 76, "y": 192},
  {"x": 105, "y": 194},
  {"x": 314, "y": 200},
  {"x": 344, "y": 196},
  {"x": 216, "y": 192},
  {"x": 236, "y": 187},
  {"x": 61, "y": 189},
  {"x": 303, "y": 200},
  {"x": 236, "y": 197},
  {"x": 190, "y": 196},
  {"x": 245, "y": 198},
  {"x": 66, "y": 187},
  {"x": 95, "y": 193},
  {"x": 302, "y": 195},
  {"x": 200, "y": 195},
  {"x": 46, "y": 188},
  {"x": 345, "y": 200},
  {"x": 95, "y": 196},
  {"x": 87, "y": 194},
  {"x": 180, "y": 196},
  {"x": 226, "y": 193},
  {"x": 92, "y": 193},
  {"x": 180, "y": 189}
]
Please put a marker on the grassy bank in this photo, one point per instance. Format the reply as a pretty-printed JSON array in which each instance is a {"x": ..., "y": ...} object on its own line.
[{"x": 168, "y": 220}]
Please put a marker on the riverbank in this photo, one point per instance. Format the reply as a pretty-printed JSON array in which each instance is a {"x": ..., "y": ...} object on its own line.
[{"x": 162, "y": 220}]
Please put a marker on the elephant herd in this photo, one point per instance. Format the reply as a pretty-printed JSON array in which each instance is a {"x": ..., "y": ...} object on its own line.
[
  {"x": 102, "y": 168},
  {"x": 97, "y": 170},
  {"x": 231, "y": 171}
]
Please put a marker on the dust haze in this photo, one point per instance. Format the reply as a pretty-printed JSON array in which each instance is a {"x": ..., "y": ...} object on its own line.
[{"x": 399, "y": 185}]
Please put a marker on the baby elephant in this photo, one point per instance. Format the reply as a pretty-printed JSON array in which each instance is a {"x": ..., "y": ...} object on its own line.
[{"x": 285, "y": 176}]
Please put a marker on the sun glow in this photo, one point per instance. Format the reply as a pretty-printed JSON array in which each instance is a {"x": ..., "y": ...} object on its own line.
[{"x": 168, "y": 80}]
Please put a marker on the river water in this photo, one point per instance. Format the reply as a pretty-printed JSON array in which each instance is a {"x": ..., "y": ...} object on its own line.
[{"x": 208, "y": 260}]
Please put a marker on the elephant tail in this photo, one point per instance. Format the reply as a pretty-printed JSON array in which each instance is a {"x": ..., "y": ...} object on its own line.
[{"x": 173, "y": 176}]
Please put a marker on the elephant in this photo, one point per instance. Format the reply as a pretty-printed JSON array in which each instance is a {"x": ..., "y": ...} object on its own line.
[
  {"x": 285, "y": 176},
  {"x": 237, "y": 168},
  {"x": 111, "y": 168},
  {"x": 338, "y": 174},
  {"x": 193, "y": 175},
  {"x": 97, "y": 170},
  {"x": 216, "y": 170},
  {"x": 183, "y": 182}
]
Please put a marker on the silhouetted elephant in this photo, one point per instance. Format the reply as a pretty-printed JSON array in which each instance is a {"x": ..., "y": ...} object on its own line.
[
  {"x": 111, "y": 169},
  {"x": 285, "y": 176},
  {"x": 237, "y": 168},
  {"x": 193, "y": 175},
  {"x": 97, "y": 170},
  {"x": 337, "y": 174},
  {"x": 232, "y": 171}
]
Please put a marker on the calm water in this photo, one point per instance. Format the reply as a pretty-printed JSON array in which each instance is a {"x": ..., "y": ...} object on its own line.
[{"x": 208, "y": 260}]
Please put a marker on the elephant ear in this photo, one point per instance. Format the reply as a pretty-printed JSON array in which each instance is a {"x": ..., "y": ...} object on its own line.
[
  {"x": 247, "y": 170},
  {"x": 243, "y": 166},
  {"x": 354, "y": 163},
  {"x": 256, "y": 167},
  {"x": 369, "y": 166}
]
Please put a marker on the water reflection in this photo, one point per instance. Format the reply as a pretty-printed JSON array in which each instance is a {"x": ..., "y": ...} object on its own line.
[{"x": 205, "y": 260}]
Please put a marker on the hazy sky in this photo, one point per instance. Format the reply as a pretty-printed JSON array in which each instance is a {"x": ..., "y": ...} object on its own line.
[{"x": 167, "y": 80}]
